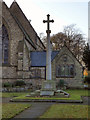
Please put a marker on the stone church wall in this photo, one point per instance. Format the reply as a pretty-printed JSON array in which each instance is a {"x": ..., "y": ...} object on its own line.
[
  {"x": 8, "y": 74},
  {"x": 35, "y": 78},
  {"x": 26, "y": 58},
  {"x": 29, "y": 76},
  {"x": 73, "y": 82},
  {"x": 15, "y": 34}
]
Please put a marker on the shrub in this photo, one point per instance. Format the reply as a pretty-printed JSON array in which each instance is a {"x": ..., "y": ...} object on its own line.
[
  {"x": 87, "y": 79},
  {"x": 19, "y": 83},
  {"x": 7, "y": 84},
  {"x": 60, "y": 83}
]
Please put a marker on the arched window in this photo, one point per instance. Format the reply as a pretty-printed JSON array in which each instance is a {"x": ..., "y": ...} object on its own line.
[
  {"x": 65, "y": 70},
  {"x": 5, "y": 43}
]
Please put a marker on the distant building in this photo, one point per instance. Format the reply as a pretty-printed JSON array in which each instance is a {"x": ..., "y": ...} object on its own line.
[{"x": 24, "y": 56}]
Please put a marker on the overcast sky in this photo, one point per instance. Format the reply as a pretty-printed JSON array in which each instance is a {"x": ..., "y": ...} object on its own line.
[{"x": 64, "y": 13}]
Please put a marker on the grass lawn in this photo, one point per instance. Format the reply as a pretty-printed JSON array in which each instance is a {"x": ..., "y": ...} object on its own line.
[
  {"x": 66, "y": 111},
  {"x": 13, "y": 94},
  {"x": 74, "y": 95},
  {"x": 10, "y": 110}
]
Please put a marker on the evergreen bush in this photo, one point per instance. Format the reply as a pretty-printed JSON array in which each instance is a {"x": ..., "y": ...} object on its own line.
[
  {"x": 7, "y": 84},
  {"x": 87, "y": 79},
  {"x": 19, "y": 83}
]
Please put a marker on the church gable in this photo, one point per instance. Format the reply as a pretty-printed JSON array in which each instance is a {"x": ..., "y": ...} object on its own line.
[
  {"x": 66, "y": 67},
  {"x": 65, "y": 64},
  {"x": 65, "y": 53},
  {"x": 20, "y": 16}
]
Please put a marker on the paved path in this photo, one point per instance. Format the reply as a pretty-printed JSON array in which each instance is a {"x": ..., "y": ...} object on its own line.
[{"x": 35, "y": 110}]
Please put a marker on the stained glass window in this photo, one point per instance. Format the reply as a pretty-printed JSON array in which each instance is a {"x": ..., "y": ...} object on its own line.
[{"x": 5, "y": 42}]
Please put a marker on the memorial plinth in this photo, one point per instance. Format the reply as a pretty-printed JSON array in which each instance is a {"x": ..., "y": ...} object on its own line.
[{"x": 48, "y": 88}]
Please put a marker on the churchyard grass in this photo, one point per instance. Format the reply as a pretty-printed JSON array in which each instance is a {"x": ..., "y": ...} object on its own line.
[
  {"x": 67, "y": 111},
  {"x": 74, "y": 95},
  {"x": 13, "y": 94},
  {"x": 10, "y": 110}
]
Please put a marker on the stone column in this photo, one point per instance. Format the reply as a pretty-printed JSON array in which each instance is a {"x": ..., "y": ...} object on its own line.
[
  {"x": 48, "y": 58},
  {"x": 48, "y": 54}
]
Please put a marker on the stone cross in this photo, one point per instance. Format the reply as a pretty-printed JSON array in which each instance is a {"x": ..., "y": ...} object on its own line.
[{"x": 48, "y": 53}]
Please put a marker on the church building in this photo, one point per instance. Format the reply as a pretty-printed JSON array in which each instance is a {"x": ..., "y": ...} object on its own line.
[{"x": 24, "y": 55}]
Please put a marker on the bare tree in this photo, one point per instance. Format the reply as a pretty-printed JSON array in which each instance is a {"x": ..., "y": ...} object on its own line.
[
  {"x": 58, "y": 40},
  {"x": 43, "y": 38},
  {"x": 72, "y": 37}
]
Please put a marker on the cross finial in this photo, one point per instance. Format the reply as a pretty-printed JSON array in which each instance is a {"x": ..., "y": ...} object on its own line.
[
  {"x": 48, "y": 23},
  {"x": 14, "y": 0}
]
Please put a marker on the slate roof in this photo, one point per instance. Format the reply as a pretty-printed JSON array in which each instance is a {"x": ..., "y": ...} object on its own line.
[{"x": 38, "y": 58}]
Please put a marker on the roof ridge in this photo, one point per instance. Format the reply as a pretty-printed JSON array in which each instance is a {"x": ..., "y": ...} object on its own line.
[
  {"x": 72, "y": 53},
  {"x": 14, "y": 2},
  {"x": 23, "y": 30},
  {"x": 5, "y": 4}
]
